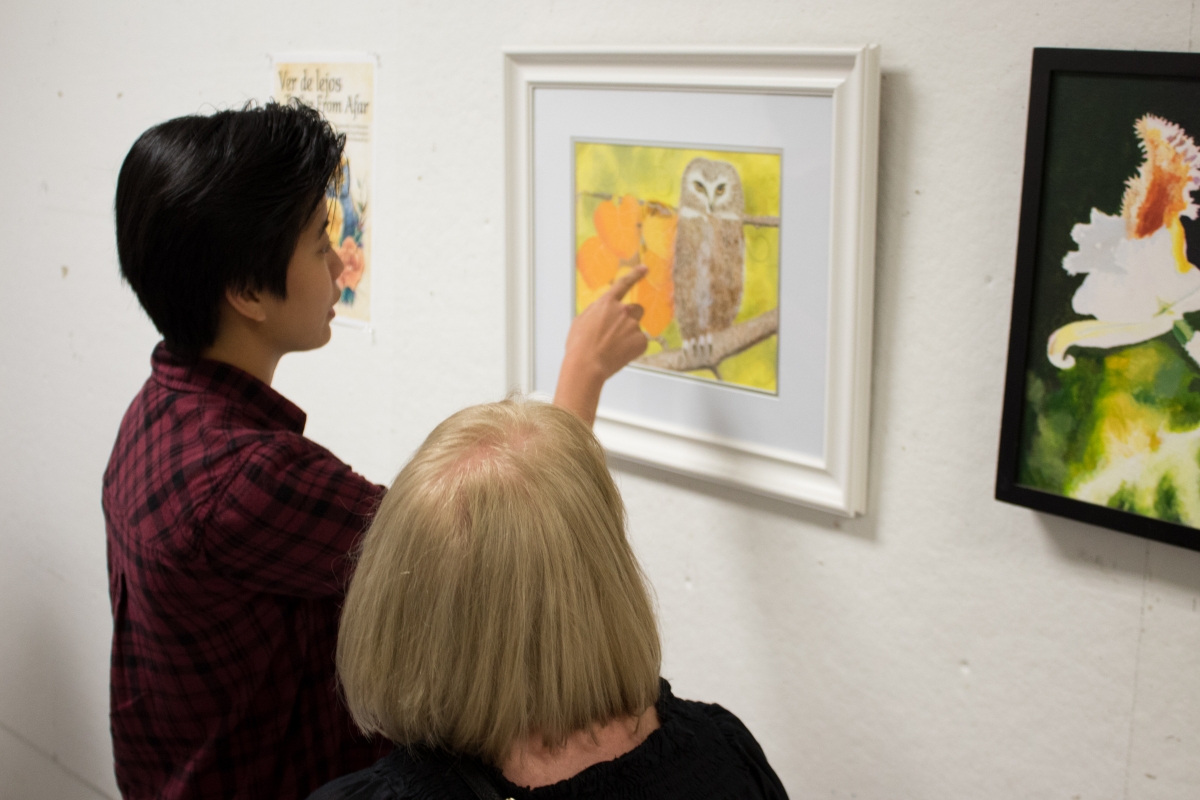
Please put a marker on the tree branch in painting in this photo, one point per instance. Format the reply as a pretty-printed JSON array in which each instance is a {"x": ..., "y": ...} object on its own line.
[
  {"x": 726, "y": 343},
  {"x": 761, "y": 221}
]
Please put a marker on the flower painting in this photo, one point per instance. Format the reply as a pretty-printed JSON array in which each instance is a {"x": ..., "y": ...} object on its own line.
[
  {"x": 344, "y": 92},
  {"x": 705, "y": 224},
  {"x": 347, "y": 225},
  {"x": 1111, "y": 406},
  {"x": 1139, "y": 281}
]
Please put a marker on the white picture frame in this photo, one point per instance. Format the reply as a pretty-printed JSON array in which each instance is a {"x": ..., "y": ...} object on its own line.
[{"x": 806, "y": 443}]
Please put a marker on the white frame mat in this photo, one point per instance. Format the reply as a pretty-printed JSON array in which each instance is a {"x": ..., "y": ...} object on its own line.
[{"x": 808, "y": 443}]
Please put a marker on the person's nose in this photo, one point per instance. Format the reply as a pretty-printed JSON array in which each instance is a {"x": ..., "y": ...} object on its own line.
[{"x": 335, "y": 264}]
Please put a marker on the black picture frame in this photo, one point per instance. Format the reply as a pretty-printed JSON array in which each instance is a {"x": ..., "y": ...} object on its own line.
[{"x": 1162, "y": 72}]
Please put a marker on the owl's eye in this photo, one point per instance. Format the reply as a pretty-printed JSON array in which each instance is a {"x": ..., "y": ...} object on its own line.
[
  {"x": 720, "y": 190},
  {"x": 699, "y": 186}
]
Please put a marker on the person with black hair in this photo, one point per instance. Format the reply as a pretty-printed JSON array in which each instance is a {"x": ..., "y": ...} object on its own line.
[{"x": 228, "y": 530}]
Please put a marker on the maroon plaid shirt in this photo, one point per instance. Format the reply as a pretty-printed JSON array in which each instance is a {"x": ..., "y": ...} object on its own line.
[{"x": 228, "y": 533}]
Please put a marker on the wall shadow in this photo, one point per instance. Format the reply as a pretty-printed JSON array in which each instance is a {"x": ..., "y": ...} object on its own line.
[
  {"x": 861, "y": 527},
  {"x": 1104, "y": 549}
]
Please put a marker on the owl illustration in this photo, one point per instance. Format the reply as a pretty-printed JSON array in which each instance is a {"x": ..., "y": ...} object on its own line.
[{"x": 709, "y": 251}]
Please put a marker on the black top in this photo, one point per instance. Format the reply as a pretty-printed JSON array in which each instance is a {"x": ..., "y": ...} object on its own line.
[{"x": 699, "y": 750}]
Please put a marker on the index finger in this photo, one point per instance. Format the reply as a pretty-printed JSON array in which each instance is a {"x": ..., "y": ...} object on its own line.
[{"x": 623, "y": 284}]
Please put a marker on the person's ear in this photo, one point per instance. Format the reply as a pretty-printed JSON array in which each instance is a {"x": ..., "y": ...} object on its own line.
[{"x": 247, "y": 303}]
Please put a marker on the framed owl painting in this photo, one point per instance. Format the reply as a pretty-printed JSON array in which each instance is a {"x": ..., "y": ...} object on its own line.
[
  {"x": 1101, "y": 414},
  {"x": 744, "y": 181}
]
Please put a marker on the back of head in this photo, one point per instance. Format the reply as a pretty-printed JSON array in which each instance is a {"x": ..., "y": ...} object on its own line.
[
  {"x": 496, "y": 594},
  {"x": 209, "y": 203}
]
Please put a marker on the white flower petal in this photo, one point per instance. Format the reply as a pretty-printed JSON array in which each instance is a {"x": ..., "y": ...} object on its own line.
[
  {"x": 1097, "y": 241},
  {"x": 1138, "y": 280},
  {"x": 1103, "y": 334}
]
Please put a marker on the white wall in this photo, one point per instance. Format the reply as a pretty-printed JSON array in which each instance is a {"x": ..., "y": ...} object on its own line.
[{"x": 943, "y": 646}]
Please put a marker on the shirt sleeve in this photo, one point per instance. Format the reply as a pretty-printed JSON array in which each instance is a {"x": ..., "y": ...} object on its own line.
[
  {"x": 289, "y": 518},
  {"x": 766, "y": 783}
]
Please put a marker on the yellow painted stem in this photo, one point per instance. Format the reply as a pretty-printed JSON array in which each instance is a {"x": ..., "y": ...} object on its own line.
[{"x": 1179, "y": 245}]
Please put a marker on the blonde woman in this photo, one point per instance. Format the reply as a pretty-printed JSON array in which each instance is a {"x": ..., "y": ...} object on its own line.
[{"x": 499, "y": 631}]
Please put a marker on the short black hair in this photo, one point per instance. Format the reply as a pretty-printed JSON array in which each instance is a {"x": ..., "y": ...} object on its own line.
[{"x": 217, "y": 202}]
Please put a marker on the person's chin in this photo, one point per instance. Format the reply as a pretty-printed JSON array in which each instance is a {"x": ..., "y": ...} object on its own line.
[{"x": 320, "y": 338}]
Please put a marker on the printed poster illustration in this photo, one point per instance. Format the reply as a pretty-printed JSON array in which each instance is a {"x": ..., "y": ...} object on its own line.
[
  {"x": 344, "y": 92},
  {"x": 705, "y": 224}
]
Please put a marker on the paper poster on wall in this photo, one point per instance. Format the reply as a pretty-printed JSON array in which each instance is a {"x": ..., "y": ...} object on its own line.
[{"x": 342, "y": 88}]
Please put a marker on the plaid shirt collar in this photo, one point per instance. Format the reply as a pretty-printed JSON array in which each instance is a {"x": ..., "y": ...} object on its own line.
[{"x": 258, "y": 400}]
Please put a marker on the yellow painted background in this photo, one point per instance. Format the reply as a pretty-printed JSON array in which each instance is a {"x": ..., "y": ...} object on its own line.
[{"x": 654, "y": 174}]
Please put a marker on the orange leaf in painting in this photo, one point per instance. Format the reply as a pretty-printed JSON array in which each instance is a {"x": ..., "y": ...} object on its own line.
[
  {"x": 657, "y": 308},
  {"x": 631, "y": 232},
  {"x": 657, "y": 290},
  {"x": 658, "y": 232},
  {"x": 618, "y": 225},
  {"x": 658, "y": 270},
  {"x": 596, "y": 263},
  {"x": 655, "y": 293}
]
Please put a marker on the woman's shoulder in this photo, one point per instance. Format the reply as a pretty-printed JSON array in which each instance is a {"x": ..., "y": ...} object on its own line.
[
  {"x": 714, "y": 733},
  {"x": 712, "y": 715},
  {"x": 403, "y": 774},
  {"x": 698, "y": 750}
]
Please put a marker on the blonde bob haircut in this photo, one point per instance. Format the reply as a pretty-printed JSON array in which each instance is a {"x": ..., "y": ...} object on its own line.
[{"x": 495, "y": 594}]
